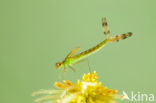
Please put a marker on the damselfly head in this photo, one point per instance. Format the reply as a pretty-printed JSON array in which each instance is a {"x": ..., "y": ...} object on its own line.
[{"x": 58, "y": 65}]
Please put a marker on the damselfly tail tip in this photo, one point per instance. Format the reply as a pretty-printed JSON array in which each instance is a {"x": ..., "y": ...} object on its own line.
[
  {"x": 120, "y": 37},
  {"x": 130, "y": 33}
]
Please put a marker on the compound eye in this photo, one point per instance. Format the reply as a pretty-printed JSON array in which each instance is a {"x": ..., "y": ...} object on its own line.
[{"x": 59, "y": 64}]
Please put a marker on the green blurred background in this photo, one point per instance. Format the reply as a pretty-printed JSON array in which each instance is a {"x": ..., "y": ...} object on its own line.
[{"x": 35, "y": 34}]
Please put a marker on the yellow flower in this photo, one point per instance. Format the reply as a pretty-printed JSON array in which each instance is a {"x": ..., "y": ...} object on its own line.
[{"x": 89, "y": 90}]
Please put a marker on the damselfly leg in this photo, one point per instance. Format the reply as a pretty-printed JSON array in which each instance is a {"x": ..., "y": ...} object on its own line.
[{"x": 83, "y": 61}]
